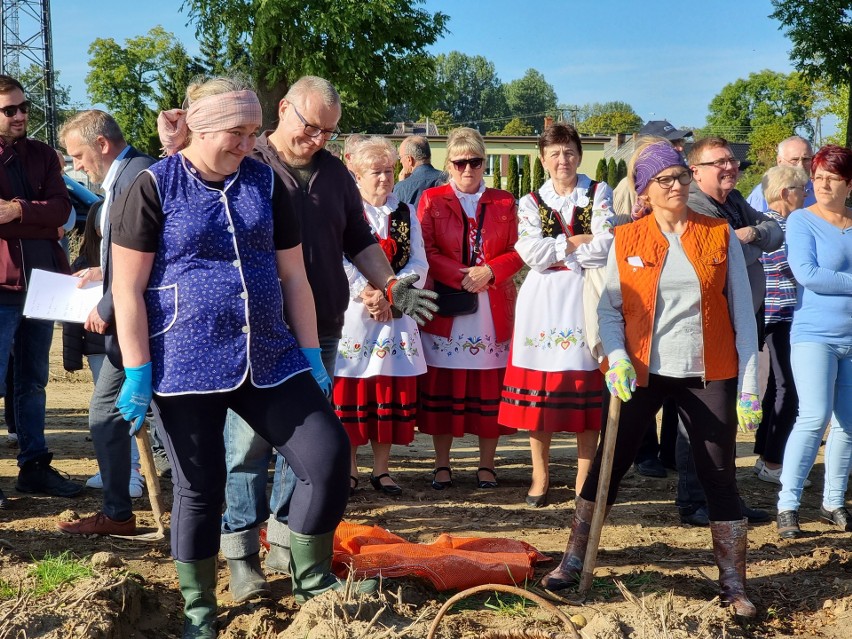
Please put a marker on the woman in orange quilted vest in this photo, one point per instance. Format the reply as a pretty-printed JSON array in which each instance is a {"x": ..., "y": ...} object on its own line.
[{"x": 676, "y": 321}]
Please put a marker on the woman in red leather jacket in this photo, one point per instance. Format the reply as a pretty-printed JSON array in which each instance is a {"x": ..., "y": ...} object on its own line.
[{"x": 470, "y": 233}]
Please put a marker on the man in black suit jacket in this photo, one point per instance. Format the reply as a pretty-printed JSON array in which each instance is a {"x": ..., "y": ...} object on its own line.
[{"x": 95, "y": 142}]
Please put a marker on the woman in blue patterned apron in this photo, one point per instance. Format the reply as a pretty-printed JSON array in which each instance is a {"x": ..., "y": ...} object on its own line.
[
  {"x": 380, "y": 354},
  {"x": 200, "y": 242},
  {"x": 552, "y": 382}
]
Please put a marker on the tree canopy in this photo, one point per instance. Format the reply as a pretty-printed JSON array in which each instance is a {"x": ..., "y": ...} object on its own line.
[
  {"x": 821, "y": 33},
  {"x": 373, "y": 52},
  {"x": 531, "y": 98},
  {"x": 470, "y": 90},
  {"x": 126, "y": 79},
  {"x": 515, "y": 126},
  {"x": 764, "y": 99}
]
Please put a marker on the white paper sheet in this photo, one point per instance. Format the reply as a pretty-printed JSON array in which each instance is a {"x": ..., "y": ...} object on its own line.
[{"x": 54, "y": 296}]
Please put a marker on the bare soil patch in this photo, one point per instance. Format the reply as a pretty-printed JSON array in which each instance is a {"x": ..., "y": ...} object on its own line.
[{"x": 803, "y": 588}]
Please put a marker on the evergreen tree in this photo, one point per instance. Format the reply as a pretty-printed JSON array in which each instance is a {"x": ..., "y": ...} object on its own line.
[
  {"x": 525, "y": 176},
  {"x": 538, "y": 174},
  {"x": 512, "y": 176},
  {"x": 600, "y": 172},
  {"x": 622, "y": 171},
  {"x": 611, "y": 172},
  {"x": 496, "y": 178}
]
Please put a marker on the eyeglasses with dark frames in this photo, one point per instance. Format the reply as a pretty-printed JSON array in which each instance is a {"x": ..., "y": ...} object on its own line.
[
  {"x": 460, "y": 165},
  {"x": 721, "y": 163},
  {"x": 313, "y": 131},
  {"x": 12, "y": 110},
  {"x": 666, "y": 182}
]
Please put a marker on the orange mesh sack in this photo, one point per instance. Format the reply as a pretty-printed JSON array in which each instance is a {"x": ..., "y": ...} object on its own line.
[{"x": 450, "y": 563}]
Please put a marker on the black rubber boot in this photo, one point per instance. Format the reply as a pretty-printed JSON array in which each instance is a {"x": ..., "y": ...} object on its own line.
[
  {"x": 247, "y": 580},
  {"x": 198, "y": 587}
]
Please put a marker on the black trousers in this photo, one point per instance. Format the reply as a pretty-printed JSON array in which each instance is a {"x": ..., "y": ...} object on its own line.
[
  {"x": 708, "y": 411},
  {"x": 781, "y": 401},
  {"x": 294, "y": 417}
]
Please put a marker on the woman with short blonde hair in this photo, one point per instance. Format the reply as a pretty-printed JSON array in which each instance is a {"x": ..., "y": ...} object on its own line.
[{"x": 380, "y": 354}]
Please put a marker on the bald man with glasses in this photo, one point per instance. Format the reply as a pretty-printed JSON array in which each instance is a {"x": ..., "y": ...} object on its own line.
[
  {"x": 792, "y": 151},
  {"x": 327, "y": 201}
]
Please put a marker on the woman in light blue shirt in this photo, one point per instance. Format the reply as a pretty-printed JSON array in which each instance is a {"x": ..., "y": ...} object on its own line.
[{"x": 819, "y": 251}]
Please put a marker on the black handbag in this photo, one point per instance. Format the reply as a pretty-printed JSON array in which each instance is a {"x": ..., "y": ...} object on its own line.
[{"x": 453, "y": 302}]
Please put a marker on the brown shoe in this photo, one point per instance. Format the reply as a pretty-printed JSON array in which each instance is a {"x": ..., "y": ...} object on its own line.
[{"x": 98, "y": 524}]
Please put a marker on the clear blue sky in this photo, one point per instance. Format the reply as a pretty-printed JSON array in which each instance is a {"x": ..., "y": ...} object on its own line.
[{"x": 666, "y": 59}]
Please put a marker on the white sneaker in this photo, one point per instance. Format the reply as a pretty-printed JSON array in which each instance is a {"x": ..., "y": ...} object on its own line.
[
  {"x": 137, "y": 484},
  {"x": 774, "y": 476},
  {"x": 95, "y": 481},
  {"x": 759, "y": 465}
]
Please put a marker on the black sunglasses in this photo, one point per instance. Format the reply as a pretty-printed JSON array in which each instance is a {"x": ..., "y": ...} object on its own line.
[
  {"x": 12, "y": 110},
  {"x": 460, "y": 165}
]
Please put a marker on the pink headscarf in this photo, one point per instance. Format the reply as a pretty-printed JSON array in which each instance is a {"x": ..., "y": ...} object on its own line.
[{"x": 218, "y": 112}]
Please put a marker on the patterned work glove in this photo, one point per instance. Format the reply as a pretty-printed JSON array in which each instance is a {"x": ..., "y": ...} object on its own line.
[
  {"x": 621, "y": 379},
  {"x": 749, "y": 412},
  {"x": 314, "y": 357},
  {"x": 135, "y": 396},
  {"x": 415, "y": 302}
]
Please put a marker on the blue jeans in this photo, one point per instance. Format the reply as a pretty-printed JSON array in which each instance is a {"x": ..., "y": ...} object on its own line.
[
  {"x": 823, "y": 373},
  {"x": 247, "y": 458},
  {"x": 30, "y": 340}
]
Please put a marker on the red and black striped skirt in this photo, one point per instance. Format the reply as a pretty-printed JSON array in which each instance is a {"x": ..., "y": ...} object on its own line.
[
  {"x": 381, "y": 409},
  {"x": 456, "y": 401},
  {"x": 551, "y": 402}
]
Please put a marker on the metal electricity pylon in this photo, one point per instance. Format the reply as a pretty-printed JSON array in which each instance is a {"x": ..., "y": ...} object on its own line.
[{"x": 26, "y": 53}]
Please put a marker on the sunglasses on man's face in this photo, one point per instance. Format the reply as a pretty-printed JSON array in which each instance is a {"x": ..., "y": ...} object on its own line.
[
  {"x": 460, "y": 165},
  {"x": 12, "y": 110}
]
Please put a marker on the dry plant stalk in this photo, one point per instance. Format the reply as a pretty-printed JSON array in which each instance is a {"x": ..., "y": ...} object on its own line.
[{"x": 520, "y": 592}]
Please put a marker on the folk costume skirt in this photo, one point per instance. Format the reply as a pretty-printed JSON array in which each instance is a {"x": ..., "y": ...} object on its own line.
[
  {"x": 380, "y": 409},
  {"x": 551, "y": 402},
  {"x": 457, "y": 401}
]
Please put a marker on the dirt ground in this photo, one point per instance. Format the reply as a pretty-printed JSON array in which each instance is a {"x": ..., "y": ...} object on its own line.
[{"x": 655, "y": 577}]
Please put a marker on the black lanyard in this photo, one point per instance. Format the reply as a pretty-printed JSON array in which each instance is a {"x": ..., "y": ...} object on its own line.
[{"x": 477, "y": 243}]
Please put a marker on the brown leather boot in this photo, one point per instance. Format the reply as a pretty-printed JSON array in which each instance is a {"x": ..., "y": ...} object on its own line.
[
  {"x": 568, "y": 572},
  {"x": 730, "y": 540}
]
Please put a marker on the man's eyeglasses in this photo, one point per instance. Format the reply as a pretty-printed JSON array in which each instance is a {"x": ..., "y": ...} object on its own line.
[
  {"x": 721, "y": 163},
  {"x": 805, "y": 159},
  {"x": 314, "y": 131},
  {"x": 666, "y": 182},
  {"x": 460, "y": 165},
  {"x": 12, "y": 110}
]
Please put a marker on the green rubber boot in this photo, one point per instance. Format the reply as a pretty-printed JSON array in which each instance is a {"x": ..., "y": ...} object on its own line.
[
  {"x": 198, "y": 587},
  {"x": 310, "y": 566}
]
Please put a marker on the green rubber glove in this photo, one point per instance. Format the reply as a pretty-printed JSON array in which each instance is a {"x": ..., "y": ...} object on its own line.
[
  {"x": 621, "y": 379},
  {"x": 749, "y": 412}
]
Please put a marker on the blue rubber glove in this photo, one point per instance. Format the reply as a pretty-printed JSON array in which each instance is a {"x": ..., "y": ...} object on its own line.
[
  {"x": 621, "y": 379},
  {"x": 135, "y": 396},
  {"x": 749, "y": 412},
  {"x": 314, "y": 356}
]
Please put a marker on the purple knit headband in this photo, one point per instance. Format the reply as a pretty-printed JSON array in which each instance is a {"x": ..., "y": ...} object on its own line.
[{"x": 654, "y": 158}]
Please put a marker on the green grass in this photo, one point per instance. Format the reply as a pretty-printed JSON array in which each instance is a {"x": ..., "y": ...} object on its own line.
[
  {"x": 48, "y": 574},
  {"x": 605, "y": 586},
  {"x": 55, "y": 570},
  {"x": 508, "y": 605}
]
